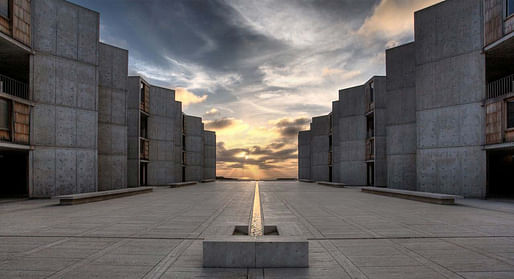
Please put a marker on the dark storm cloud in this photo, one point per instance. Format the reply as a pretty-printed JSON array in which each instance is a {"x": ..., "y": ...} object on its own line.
[
  {"x": 290, "y": 128},
  {"x": 263, "y": 157},
  {"x": 219, "y": 124}
]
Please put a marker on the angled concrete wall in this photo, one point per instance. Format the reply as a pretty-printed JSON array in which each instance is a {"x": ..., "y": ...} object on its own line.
[
  {"x": 64, "y": 85},
  {"x": 193, "y": 148},
  {"x": 133, "y": 123},
  {"x": 450, "y": 87},
  {"x": 320, "y": 148},
  {"x": 112, "y": 117},
  {"x": 209, "y": 155},
  {"x": 162, "y": 127},
  {"x": 304, "y": 155},
  {"x": 349, "y": 137},
  {"x": 401, "y": 117}
]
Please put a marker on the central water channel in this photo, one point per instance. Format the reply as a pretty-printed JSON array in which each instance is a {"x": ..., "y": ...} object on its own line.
[{"x": 256, "y": 223}]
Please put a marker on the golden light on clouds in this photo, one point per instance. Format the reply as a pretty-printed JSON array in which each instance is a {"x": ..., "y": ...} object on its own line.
[
  {"x": 393, "y": 17},
  {"x": 187, "y": 97}
]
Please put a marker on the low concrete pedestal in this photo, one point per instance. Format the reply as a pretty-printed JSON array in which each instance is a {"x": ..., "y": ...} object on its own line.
[{"x": 255, "y": 252}]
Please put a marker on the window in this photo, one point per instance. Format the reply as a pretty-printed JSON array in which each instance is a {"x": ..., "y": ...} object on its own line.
[
  {"x": 4, "y": 115},
  {"x": 4, "y": 8},
  {"x": 510, "y": 7},
  {"x": 510, "y": 114},
  {"x": 144, "y": 126},
  {"x": 371, "y": 92},
  {"x": 370, "y": 126}
]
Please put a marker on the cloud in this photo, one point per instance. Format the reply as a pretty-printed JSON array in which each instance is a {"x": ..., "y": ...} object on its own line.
[
  {"x": 393, "y": 18},
  {"x": 289, "y": 128},
  {"x": 211, "y": 113},
  {"x": 187, "y": 97},
  {"x": 219, "y": 124},
  {"x": 266, "y": 157}
]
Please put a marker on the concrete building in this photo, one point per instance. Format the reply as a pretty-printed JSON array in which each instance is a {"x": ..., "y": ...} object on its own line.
[
  {"x": 444, "y": 121},
  {"x": 164, "y": 145},
  {"x": 68, "y": 123}
]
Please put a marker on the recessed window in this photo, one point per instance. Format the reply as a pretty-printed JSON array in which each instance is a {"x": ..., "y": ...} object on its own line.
[
  {"x": 4, "y": 8},
  {"x": 4, "y": 115},
  {"x": 144, "y": 126},
  {"x": 510, "y": 114},
  {"x": 371, "y": 92},
  {"x": 510, "y": 7}
]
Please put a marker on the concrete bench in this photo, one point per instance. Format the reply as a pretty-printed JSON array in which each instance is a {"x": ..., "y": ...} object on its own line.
[
  {"x": 412, "y": 195},
  {"x": 101, "y": 196},
  {"x": 208, "y": 180},
  {"x": 306, "y": 180},
  {"x": 182, "y": 184},
  {"x": 331, "y": 184}
]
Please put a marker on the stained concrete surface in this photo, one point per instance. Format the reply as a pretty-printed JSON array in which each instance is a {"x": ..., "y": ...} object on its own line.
[{"x": 351, "y": 234}]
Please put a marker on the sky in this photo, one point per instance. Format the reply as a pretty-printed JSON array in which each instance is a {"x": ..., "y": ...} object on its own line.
[{"x": 256, "y": 71}]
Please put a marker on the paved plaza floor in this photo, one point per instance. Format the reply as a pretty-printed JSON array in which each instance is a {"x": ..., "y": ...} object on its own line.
[{"x": 351, "y": 234}]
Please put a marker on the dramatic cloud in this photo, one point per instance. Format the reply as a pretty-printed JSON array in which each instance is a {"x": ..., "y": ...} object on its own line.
[
  {"x": 187, "y": 98},
  {"x": 257, "y": 62}
]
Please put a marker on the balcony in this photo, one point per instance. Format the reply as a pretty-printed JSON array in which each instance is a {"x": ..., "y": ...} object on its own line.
[
  {"x": 500, "y": 87},
  {"x": 144, "y": 151},
  {"x": 13, "y": 87},
  {"x": 370, "y": 149}
]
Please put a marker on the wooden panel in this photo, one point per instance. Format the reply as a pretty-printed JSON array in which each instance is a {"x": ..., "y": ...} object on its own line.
[
  {"x": 493, "y": 21},
  {"x": 5, "y": 135},
  {"x": 494, "y": 123},
  {"x": 21, "y": 123},
  {"x": 21, "y": 21},
  {"x": 145, "y": 149},
  {"x": 509, "y": 25},
  {"x": 509, "y": 136}
]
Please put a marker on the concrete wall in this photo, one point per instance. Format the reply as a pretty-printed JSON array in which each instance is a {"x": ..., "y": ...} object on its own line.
[
  {"x": 320, "y": 131},
  {"x": 304, "y": 155},
  {"x": 450, "y": 87},
  {"x": 112, "y": 117},
  {"x": 133, "y": 117},
  {"x": 380, "y": 98},
  {"x": 193, "y": 148},
  {"x": 209, "y": 155},
  {"x": 401, "y": 117},
  {"x": 349, "y": 137},
  {"x": 162, "y": 127},
  {"x": 64, "y": 85}
]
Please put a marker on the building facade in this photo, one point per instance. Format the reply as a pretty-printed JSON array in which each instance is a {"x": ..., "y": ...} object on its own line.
[
  {"x": 68, "y": 123},
  {"x": 442, "y": 119}
]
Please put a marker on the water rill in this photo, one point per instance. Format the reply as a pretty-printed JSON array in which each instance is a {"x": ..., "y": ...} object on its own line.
[{"x": 256, "y": 245}]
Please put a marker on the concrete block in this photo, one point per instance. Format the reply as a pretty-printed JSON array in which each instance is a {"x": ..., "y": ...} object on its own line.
[
  {"x": 281, "y": 254},
  {"x": 87, "y": 128},
  {"x": 119, "y": 107},
  {"x": 401, "y": 171},
  {"x": 88, "y": 35},
  {"x": 119, "y": 172},
  {"x": 132, "y": 147},
  {"x": 104, "y": 104},
  {"x": 67, "y": 26},
  {"x": 104, "y": 172},
  {"x": 43, "y": 127},
  {"x": 65, "y": 171},
  {"x": 133, "y": 91},
  {"x": 44, "y": 79},
  {"x": 87, "y": 88},
  {"x": 87, "y": 171},
  {"x": 132, "y": 172},
  {"x": 65, "y": 82},
  {"x": 133, "y": 123},
  {"x": 66, "y": 126},
  {"x": 120, "y": 69},
  {"x": 104, "y": 138},
  {"x": 351, "y": 173},
  {"x": 401, "y": 139},
  {"x": 235, "y": 254},
  {"x": 401, "y": 67},
  {"x": 401, "y": 106},
  {"x": 352, "y": 128},
  {"x": 119, "y": 139},
  {"x": 44, "y": 24},
  {"x": 43, "y": 168},
  {"x": 105, "y": 65},
  {"x": 451, "y": 126}
]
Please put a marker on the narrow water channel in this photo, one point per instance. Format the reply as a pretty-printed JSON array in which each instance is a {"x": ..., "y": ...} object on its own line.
[{"x": 256, "y": 224}]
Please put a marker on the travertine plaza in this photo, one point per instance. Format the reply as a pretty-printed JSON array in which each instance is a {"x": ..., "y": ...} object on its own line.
[
  {"x": 442, "y": 118},
  {"x": 79, "y": 139}
]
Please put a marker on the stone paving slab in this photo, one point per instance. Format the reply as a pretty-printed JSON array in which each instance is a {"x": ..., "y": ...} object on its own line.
[{"x": 351, "y": 234}]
